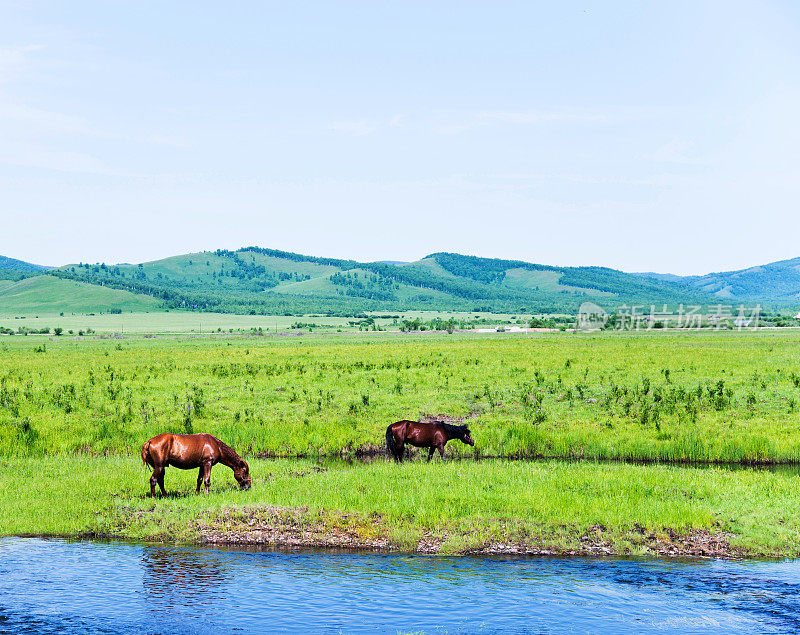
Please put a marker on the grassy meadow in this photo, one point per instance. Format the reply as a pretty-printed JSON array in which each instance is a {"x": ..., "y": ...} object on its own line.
[
  {"x": 46, "y": 294},
  {"x": 459, "y": 506},
  {"x": 74, "y": 412},
  {"x": 191, "y": 322},
  {"x": 729, "y": 397}
]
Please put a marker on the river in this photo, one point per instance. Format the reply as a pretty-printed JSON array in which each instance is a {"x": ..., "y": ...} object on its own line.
[{"x": 57, "y": 586}]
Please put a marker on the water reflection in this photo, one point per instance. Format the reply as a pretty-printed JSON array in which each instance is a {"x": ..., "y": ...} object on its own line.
[
  {"x": 56, "y": 586},
  {"x": 174, "y": 579}
]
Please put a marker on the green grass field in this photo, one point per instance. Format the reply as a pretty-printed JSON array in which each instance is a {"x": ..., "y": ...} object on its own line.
[
  {"x": 186, "y": 322},
  {"x": 167, "y": 322},
  {"x": 459, "y": 506},
  {"x": 75, "y": 411},
  {"x": 729, "y": 397}
]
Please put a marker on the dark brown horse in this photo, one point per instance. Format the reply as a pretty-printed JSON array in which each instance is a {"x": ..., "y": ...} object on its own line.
[
  {"x": 188, "y": 451},
  {"x": 431, "y": 435}
]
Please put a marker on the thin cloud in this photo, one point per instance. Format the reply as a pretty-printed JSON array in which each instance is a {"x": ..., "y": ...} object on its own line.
[
  {"x": 40, "y": 120},
  {"x": 484, "y": 119},
  {"x": 356, "y": 128},
  {"x": 30, "y": 156},
  {"x": 13, "y": 60},
  {"x": 577, "y": 178},
  {"x": 675, "y": 151},
  {"x": 20, "y": 118},
  {"x": 536, "y": 117},
  {"x": 365, "y": 126}
]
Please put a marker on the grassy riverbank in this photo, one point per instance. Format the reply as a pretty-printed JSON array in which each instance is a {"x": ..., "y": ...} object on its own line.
[
  {"x": 732, "y": 397},
  {"x": 454, "y": 507},
  {"x": 75, "y": 411}
]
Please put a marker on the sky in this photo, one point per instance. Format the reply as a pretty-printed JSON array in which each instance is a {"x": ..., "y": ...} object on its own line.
[{"x": 644, "y": 136}]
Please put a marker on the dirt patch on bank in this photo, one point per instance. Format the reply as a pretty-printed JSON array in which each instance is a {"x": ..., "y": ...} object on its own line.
[
  {"x": 296, "y": 528},
  {"x": 599, "y": 541},
  {"x": 293, "y": 527}
]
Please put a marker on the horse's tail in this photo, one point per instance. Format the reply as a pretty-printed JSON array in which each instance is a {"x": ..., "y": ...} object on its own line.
[
  {"x": 146, "y": 454},
  {"x": 390, "y": 443}
]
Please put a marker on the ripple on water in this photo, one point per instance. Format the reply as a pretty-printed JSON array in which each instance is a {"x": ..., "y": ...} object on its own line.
[{"x": 54, "y": 586}]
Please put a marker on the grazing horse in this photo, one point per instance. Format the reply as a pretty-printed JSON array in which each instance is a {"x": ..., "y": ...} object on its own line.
[
  {"x": 187, "y": 451},
  {"x": 424, "y": 435}
]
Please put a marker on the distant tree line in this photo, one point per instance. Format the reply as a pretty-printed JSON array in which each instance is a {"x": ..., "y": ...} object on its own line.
[{"x": 245, "y": 281}]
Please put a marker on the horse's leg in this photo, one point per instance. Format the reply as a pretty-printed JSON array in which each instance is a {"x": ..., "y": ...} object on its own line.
[
  {"x": 401, "y": 448},
  {"x": 159, "y": 475},
  {"x": 207, "y": 476},
  {"x": 430, "y": 453},
  {"x": 200, "y": 477}
]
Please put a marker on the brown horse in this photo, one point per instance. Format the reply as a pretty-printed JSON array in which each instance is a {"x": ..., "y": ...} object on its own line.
[
  {"x": 187, "y": 451},
  {"x": 432, "y": 435}
]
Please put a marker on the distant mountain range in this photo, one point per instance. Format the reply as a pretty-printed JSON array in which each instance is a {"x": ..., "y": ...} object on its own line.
[
  {"x": 20, "y": 265},
  {"x": 12, "y": 269},
  {"x": 776, "y": 283},
  {"x": 256, "y": 280}
]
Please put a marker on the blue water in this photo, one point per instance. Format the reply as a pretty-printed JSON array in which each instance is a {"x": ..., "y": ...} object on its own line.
[{"x": 52, "y": 586}]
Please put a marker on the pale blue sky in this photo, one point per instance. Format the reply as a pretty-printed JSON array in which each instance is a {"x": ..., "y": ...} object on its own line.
[{"x": 656, "y": 136}]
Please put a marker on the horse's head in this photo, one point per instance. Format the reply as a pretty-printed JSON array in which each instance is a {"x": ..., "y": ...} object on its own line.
[
  {"x": 242, "y": 474},
  {"x": 465, "y": 436}
]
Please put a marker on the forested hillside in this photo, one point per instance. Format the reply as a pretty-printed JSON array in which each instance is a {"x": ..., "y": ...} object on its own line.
[
  {"x": 12, "y": 269},
  {"x": 262, "y": 281},
  {"x": 776, "y": 282}
]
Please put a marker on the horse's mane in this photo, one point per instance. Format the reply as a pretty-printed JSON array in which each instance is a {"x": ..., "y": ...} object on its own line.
[
  {"x": 229, "y": 453},
  {"x": 454, "y": 431}
]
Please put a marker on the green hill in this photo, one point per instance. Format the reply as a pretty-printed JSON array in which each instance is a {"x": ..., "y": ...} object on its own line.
[
  {"x": 50, "y": 295},
  {"x": 257, "y": 280},
  {"x": 776, "y": 284},
  {"x": 20, "y": 265},
  {"x": 13, "y": 269}
]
